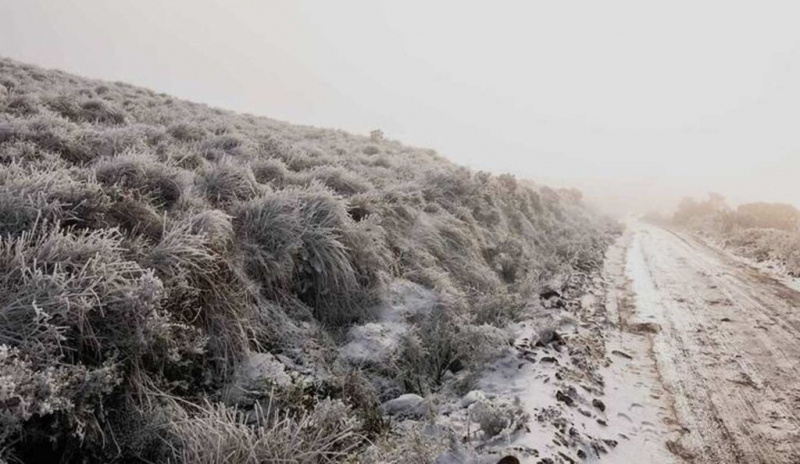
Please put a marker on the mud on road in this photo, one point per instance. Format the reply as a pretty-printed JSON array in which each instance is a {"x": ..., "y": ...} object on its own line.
[{"x": 725, "y": 338}]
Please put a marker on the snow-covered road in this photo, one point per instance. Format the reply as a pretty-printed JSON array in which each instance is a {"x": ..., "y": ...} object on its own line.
[{"x": 726, "y": 341}]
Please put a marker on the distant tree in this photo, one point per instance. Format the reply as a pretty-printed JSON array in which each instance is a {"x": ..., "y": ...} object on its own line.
[
  {"x": 768, "y": 215},
  {"x": 690, "y": 209},
  {"x": 716, "y": 201}
]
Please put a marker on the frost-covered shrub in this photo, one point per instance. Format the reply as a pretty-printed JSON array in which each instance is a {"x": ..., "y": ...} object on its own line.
[
  {"x": 185, "y": 157},
  {"x": 139, "y": 173},
  {"x": 201, "y": 286},
  {"x": 101, "y": 111},
  {"x": 779, "y": 246},
  {"x": 83, "y": 146},
  {"x": 137, "y": 137},
  {"x": 76, "y": 144},
  {"x": 341, "y": 263},
  {"x": 759, "y": 231},
  {"x": 64, "y": 105},
  {"x": 47, "y": 132},
  {"x": 78, "y": 314},
  {"x": 47, "y": 191},
  {"x": 227, "y": 144},
  {"x": 74, "y": 292},
  {"x": 300, "y": 161},
  {"x": 381, "y": 162},
  {"x": 70, "y": 395},
  {"x": 179, "y": 254},
  {"x": 359, "y": 393},
  {"x": 218, "y": 434},
  {"x": 227, "y": 181},
  {"x": 135, "y": 218},
  {"x": 22, "y": 105},
  {"x": 187, "y": 132},
  {"x": 8, "y": 80},
  {"x": 275, "y": 148},
  {"x": 304, "y": 240},
  {"x": 498, "y": 309},
  {"x": 444, "y": 341},
  {"x": 498, "y": 417},
  {"x": 269, "y": 170},
  {"x": 78, "y": 108},
  {"x": 268, "y": 232},
  {"x": 340, "y": 180},
  {"x": 3, "y": 96},
  {"x": 411, "y": 446},
  {"x": 215, "y": 225}
]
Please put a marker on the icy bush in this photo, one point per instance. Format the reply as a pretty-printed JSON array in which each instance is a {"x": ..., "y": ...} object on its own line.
[
  {"x": 444, "y": 341},
  {"x": 495, "y": 418},
  {"x": 218, "y": 434},
  {"x": 227, "y": 182},
  {"x": 139, "y": 173},
  {"x": 303, "y": 239}
]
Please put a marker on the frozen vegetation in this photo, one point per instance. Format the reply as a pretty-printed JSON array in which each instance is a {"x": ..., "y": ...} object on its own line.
[
  {"x": 767, "y": 233},
  {"x": 181, "y": 283}
]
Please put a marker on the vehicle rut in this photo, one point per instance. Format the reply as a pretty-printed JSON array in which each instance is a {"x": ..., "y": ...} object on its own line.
[{"x": 727, "y": 347}]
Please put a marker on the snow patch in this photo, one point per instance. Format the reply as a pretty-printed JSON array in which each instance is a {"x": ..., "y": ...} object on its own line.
[{"x": 376, "y": 342}]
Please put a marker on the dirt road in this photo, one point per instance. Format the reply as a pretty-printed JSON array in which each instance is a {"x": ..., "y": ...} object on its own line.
[{"x": 726, "y": 340}]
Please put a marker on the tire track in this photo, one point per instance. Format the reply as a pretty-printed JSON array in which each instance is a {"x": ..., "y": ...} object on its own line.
[{"x": 727, "y": 349}]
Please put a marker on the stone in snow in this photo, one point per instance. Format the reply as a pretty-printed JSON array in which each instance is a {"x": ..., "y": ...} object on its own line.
[{"x": 408, "y": 405}]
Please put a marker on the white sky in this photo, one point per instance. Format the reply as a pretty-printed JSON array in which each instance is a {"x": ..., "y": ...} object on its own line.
[{"x": 617, "y": 97}]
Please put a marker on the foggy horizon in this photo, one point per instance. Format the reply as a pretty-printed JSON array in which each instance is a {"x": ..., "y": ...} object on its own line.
[{"x": 636, "y": 105}]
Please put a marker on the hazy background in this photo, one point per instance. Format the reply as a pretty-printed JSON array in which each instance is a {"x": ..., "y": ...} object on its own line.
[{"x": 634, "y": 102}]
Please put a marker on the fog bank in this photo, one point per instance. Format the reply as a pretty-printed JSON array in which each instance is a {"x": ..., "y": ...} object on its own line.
[{"x": 631, "y": 101}]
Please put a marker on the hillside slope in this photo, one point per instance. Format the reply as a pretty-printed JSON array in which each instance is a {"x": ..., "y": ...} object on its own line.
[{"x": 179, "y": 281}]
